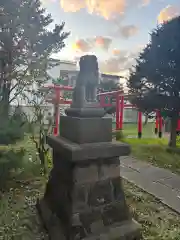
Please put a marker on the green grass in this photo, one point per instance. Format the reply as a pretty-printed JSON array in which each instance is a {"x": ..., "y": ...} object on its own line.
[
  {"x": 147, "y": 141},
  {"x": 132, "y": 130},
  {"x": 19, "y": 219},
  {"x": 158, "y": 222},
  {"x": 150, "y": 148},
  {"x": 154, "y": 151}
]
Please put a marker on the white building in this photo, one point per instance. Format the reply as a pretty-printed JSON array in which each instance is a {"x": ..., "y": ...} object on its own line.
[
  {"x": 69, "y": 70},
  {"x": 55, "y": 72},
  {"x": 70, "y": 77}
]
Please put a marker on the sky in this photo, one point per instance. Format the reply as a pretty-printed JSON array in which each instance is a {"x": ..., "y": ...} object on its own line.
[{"x": 114, "y": 30}]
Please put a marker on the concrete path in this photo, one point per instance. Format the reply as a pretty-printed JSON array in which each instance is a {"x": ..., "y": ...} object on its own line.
[{"x": 159, "y": 182}]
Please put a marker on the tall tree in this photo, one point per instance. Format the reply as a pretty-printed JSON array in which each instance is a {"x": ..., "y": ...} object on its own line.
[
  {"x": 26, "y": 45},
  {"x": 156, "y": 77}
]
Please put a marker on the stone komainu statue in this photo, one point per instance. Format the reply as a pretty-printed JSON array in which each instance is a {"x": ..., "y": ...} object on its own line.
[{"x": 88, "y": 77}]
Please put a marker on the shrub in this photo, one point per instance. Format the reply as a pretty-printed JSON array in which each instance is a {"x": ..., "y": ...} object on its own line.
[
  {"x": 119, "y": 135},
  {"x": 13, "y": 129},
  {"x": 10, "y": 132},
  {"x": 10, "y": 160}
]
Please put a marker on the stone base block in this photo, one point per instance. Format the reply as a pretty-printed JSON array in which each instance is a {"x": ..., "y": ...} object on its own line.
[
  {"x": 86, "y": 130},
  {"x": 50, "y": 221},
  {"x": 85, "y": 153},
  {"x": 95, "y": 172},
  {"x": 127, "y": 230},
  {"x": 91, "y": 111}
]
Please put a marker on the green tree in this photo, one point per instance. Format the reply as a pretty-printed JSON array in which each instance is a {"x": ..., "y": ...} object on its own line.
[
  {"x": 26, "y": 45},
  {"x": 155, "y": 79},
  {"x": 109, "y": 86}
]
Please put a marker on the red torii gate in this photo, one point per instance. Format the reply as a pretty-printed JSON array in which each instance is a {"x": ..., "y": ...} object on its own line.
[
  {"x": 56, "y": 100},
  {"x": 120, "y": 106}
]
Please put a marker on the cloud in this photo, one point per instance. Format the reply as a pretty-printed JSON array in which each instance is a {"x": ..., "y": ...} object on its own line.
[
  {"x": 103, "y": 42},
  {"x": 168, "y": 13},
  {"x": 72, "y": 5},
  {"x": 105, "y": 8},
  {"x": 128, "y": 31},
  {"x": 82, "y": 45},
  {"x": 114, "y": 64},
  {"x": 116, "y": 52},
  {"x": 119, "y": 63},
  {"x": 85, "y": 45},
  {"x": 145, "y": 3}
]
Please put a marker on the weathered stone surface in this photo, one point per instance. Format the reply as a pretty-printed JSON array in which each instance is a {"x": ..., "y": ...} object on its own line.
[
  {"x": 50, "y": 221},
  {"x": 80, "y": 197},
  {"x": 115, "y": 213},
  {"x": 100, "y": 193},
  {"x": 84, "y": 102},
  {"x": 161, "y": 188},
  {"x": 89, "y": 225},
  {"x": 84, "y": 196},
  {"x": 109, "y": 171},
  {"x": 118, "y": 192},
  {"x": 86, "y": 111},
  {"x": 125, "y": 231},
  {"x": 86, "y": 130},
  {"x": 88, "y": 151},
  {"x": 172, "y": 181},
  {"x": 84, "y": 174}
]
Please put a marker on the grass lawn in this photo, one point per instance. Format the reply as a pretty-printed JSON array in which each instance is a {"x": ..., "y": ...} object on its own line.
[
  {"x": 158, "y": 222},
  {"x": 154, "y": 151},
  {"x": 19, "y": 219},
  {"x": 151, "y": 148},
  {"x": 132, "y": 130}
]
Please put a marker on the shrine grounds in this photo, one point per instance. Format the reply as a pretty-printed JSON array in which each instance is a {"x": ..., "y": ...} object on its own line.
[{"x": 19, "y": 219}]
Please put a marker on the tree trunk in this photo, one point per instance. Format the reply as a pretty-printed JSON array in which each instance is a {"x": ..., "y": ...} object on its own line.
[
  {"x": 146, "y": 120},
  {"x": 172, "y": 142},
  {"x": 6, "y": 69},
  {"x": 5, "y": 102}
]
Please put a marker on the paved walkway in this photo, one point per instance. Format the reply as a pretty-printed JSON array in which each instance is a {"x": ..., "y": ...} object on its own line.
[{"x": 159, "y": 182}]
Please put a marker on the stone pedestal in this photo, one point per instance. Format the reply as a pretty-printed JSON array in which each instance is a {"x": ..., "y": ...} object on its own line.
[
  {"x": 86, "y": 130},
  {"x": 84, "y": 198}
]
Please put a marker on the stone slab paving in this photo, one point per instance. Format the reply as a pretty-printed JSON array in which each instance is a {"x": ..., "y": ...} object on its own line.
[{"x": 161, "y": 183}]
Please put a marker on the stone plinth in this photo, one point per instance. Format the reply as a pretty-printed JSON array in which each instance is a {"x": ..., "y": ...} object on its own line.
[
  {"x": 85, "y": 112},
  {"x": 84, "y": 198},
  {"x": 86, "y": 130}
]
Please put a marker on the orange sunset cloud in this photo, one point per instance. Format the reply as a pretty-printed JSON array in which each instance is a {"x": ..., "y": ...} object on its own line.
[
  {"x": 85, "y": 45},
  {"x": 168, "y": 13}
]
